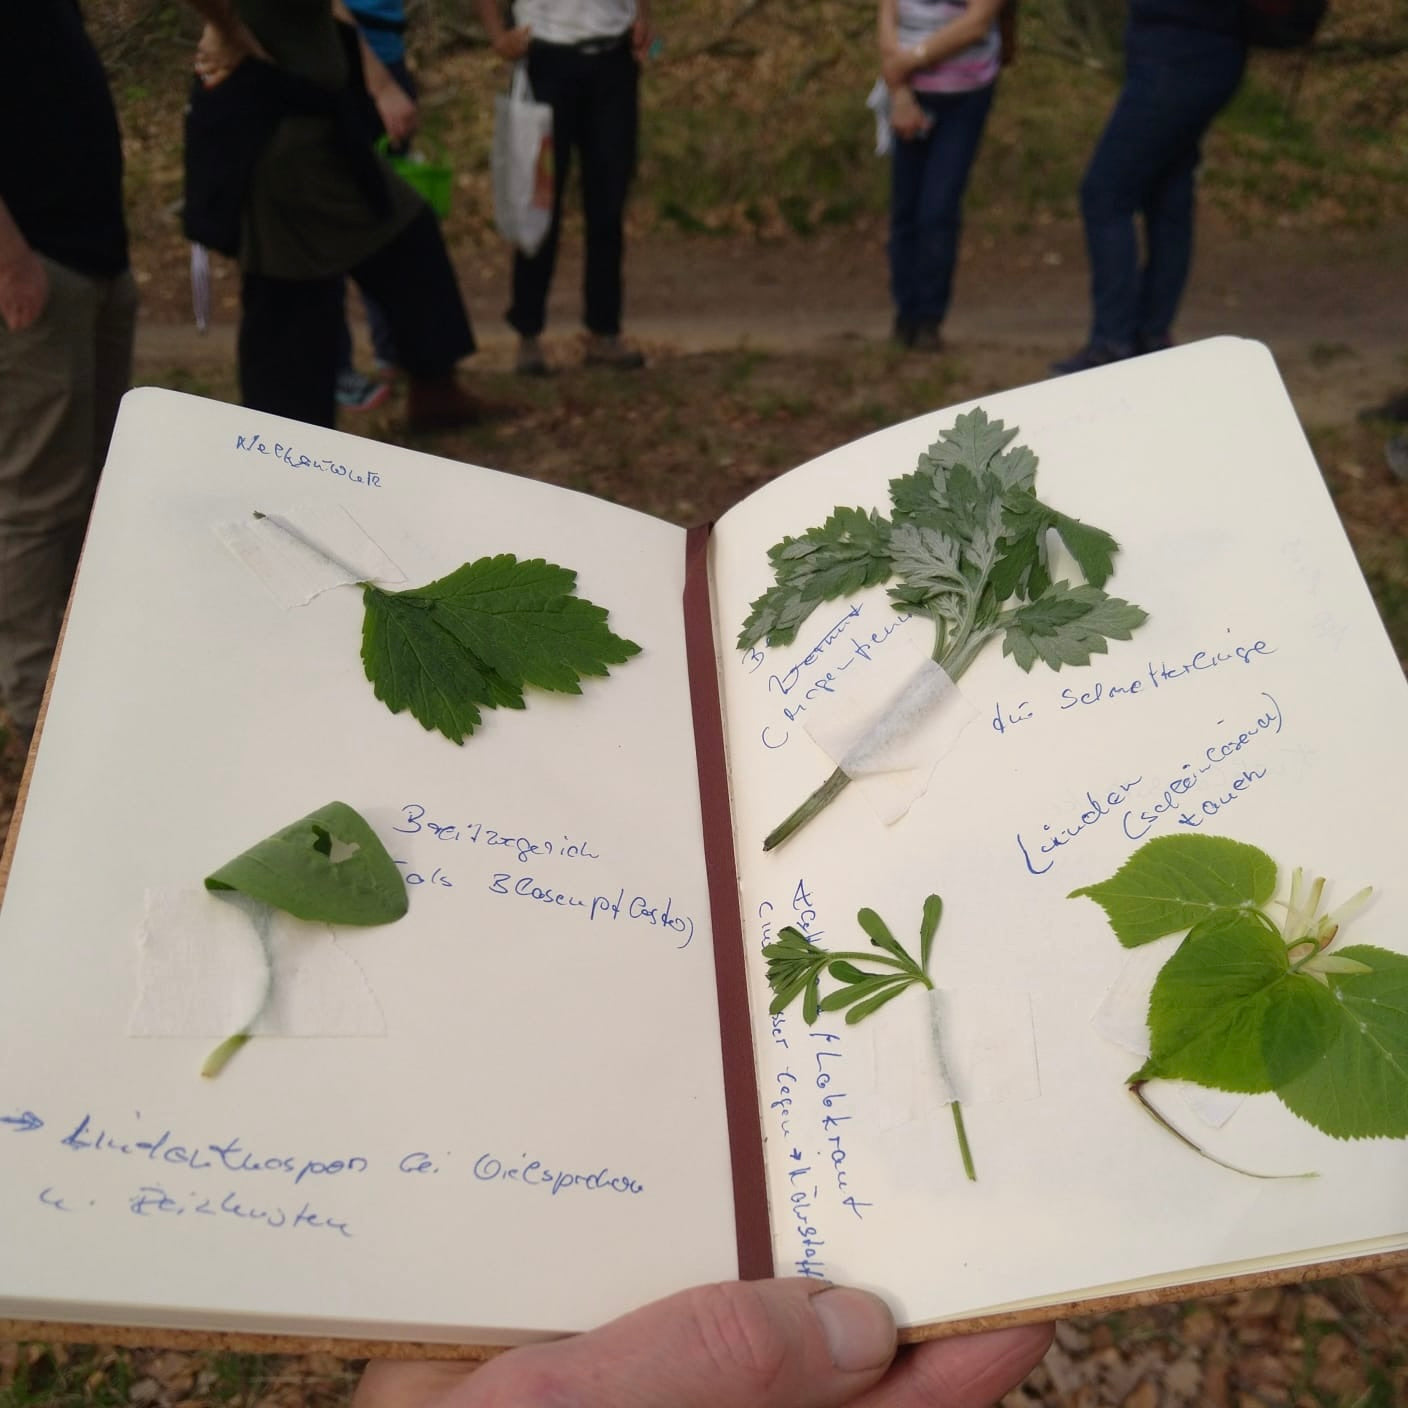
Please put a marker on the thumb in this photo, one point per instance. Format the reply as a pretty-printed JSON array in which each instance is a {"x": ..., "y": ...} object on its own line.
[{"x": 762, "y": 1344}]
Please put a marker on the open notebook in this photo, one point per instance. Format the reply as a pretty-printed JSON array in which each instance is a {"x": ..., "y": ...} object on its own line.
[{"x": 555, "y": 1089}]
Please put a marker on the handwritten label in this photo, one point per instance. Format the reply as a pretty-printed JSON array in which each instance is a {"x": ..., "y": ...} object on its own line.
[
  {"x": 637, "y": 910},
  {"x": 536, "y": 1174},
  {"x": 256, "y": 444},
  {"x": 822, "y": 669},
  {"x": 415, "y": 821},
  {"x": 1219, "y": 774}
]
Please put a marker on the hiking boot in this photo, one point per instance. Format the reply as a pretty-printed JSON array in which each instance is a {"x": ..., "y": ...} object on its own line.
[
  {"x": 607, "y": 350},
  {"x": 530, "y": 360},
  {"x": 926, "y": 338},
  {"x": 357, "y": 392},
  {"x": 1093, "y": 354},
  {"x": 439, "y": 403}
]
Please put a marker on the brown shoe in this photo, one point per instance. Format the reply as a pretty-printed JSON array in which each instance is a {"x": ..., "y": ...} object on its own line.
[
  {"x": 608, "y": 350},
  {"x": 440, "y": 403}
]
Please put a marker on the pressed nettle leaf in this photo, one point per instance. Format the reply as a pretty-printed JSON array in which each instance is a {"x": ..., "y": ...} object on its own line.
[
  {"x": 967, "y": 547},
  {"x": 328, "y": 867},
  {"x": 1249, "y": 1005},
  {"x": 796, "y": 967},
  {"x": 477, "y": 637}
]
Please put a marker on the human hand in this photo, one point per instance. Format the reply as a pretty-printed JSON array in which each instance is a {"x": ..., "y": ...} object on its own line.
[
  {"x": 24, "y": 289},
  {"x": 222, "y": 48},
  {"x": 761, "y": 1344},
  {"x": 642, "y": 35},
  {"x": 907, "y": 119},
  {"x": 896, "y": 64},
  {"x": 512, "y": 44},
  {"x": 398, "y": 112}
]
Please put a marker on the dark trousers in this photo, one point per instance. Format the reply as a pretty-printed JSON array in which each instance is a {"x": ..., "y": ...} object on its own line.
[
  {"x": 928, "y": 175},
  {"x": 595, "y": 111},
  {"x": 291, "y": 329},
  {"x": 1177, "y": 79},
  {"x": 383, "y": 344}
]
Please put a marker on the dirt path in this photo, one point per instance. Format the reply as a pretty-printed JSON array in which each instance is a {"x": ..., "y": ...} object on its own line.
[{"x": 1334, "y": 309}]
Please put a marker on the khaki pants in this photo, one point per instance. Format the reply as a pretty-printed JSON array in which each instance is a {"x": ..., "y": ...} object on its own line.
[{"x": 61, "y": 380}]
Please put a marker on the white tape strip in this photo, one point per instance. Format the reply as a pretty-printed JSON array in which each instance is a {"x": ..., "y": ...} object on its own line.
[
  {"x": 312, "y": 548},
  {"x": 887, "y": 723},
  {"x": 201, "y": 972}
]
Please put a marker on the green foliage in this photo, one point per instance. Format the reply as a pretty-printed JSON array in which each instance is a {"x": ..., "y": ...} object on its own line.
[
  {"x": 1244, "y": 1005},
  {"x": 1173, "y": 882},
  {"x": 967, "y": 545},
  {"x": 476, "y": 638},
  {"x": 328, "y": 866},
  {"x": 796, "y": 967}
]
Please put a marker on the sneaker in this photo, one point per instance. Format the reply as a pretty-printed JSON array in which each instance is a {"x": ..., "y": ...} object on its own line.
[
  {"x": 608, "y": 350},
  {"x": 530, "y": 360},
  {"x": 1093, "y": 354},
  {"x": 356, "y": 392}
]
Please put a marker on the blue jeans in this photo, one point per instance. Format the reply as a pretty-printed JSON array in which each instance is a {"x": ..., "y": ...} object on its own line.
[
  {"x": 1177, "y": 79},
  {"x": 928, "y": 175}
]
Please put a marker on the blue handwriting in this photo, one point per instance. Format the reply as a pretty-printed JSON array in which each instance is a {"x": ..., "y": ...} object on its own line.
[
  {"x": 256, "y": 444},
  {"x": 488, "y": 1169}
]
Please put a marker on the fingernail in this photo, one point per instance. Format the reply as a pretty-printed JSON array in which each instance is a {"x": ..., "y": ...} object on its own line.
[{"x": 859, "y": 1329}]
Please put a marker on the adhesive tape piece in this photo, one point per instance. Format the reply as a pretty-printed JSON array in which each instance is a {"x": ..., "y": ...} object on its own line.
[
  {"x": 201, "y": 972},
  {"x": 887, "y": 723},
  {"x": 306, "y": 551}
]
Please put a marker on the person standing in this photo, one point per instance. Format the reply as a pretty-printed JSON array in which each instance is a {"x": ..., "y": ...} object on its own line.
[
  {"x": 583, "y": 59},
  {"x": 939, "y": 60},
  {"x": 68, "y": 309},
  {"x": 281, "y": 83},
  {"x": 390, "y": 112},
  {"x": 1184, "y": 60}
]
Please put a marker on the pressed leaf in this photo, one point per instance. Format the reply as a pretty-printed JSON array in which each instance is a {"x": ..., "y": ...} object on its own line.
[
  {"x": 475, "y": 638},
  {"x": 1212, "y": 1001},
  {"x": 1357, "y": 1088},
  {"x": 1173, "y": 882},
  {"x": 328, "y": 866},
  {"x": 854, "y": 992},
  {"x": 1066, "y": 625},
  {"x": 928, "y": 927},
  {"x": 879, "y": 933},
  {"x": 862, "y": 1010}
]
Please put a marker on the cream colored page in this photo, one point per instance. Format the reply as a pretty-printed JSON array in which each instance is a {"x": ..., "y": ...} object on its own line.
[
  {"x": 533, "y": 1139},
  {"x": 1260, "y": 701}
]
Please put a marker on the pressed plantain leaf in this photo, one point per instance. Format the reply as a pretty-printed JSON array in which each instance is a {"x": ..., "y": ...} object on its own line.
[{"x": 328, "y": 866}]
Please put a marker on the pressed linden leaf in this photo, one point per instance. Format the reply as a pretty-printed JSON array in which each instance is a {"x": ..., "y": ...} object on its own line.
[
  {"x": 1214, "y": 999},
  {"x": 1173, "y": 882},
  {"x": 475, "y": 638},
  {"x": 1357, "y": 1086},
  {"x": 328, "y": 866}
]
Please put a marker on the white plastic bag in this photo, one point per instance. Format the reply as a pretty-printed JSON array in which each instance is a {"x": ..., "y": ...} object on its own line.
[{"x": 522, "y": 163}]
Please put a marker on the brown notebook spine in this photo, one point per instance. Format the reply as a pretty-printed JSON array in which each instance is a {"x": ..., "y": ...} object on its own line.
[{"x": 745, "y": 1130}]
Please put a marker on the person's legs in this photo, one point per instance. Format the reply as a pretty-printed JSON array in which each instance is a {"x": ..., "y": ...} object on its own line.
[
  {"x": 610, "y": 121},
  {"x": 51, "y": 447},
  {"x": 1176, "y": 81},
  {"x": 907, "y": 161},
  {"x": 958, "y": 120},
  {"x": 552, "y": 75},
  {"x": 414, "y": 281},
  {"x": 288, "y": 345},
  {"x": 1203, "y": 77}
]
